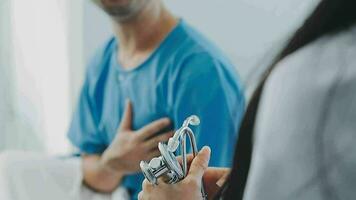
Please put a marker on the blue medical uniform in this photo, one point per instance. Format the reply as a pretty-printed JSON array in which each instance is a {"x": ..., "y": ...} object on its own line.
[{"x": 185, "y": 75}]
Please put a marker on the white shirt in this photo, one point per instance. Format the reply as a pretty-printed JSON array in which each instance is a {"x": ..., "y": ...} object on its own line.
[{"x": 305, "y": 136}]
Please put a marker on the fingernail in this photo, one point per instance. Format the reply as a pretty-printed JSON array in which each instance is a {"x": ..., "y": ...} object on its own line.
[
  {"x": 206, "y": 149},
  {"x": 220, "y": 183},
  {"x": 167, "y": 120}
]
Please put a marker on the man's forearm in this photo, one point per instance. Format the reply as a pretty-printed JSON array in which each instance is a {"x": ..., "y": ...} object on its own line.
[{"x": 99, "y": 177}]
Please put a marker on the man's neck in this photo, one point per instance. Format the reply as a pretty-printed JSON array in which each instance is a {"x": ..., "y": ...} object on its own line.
[{"x": 140, "y": 36}]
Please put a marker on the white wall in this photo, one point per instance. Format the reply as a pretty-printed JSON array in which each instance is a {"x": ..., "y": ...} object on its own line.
[
  {"x": 15, "y": 131},
  {"x": 245, "y": 29},
  {"x": 97, "y": 29},
  {"x": 40, "y": 69}
]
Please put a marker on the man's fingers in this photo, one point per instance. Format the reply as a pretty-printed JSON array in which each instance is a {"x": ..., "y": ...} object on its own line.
[
  {"x": 152, "y": 154},
  {"x": 153, "y": 128},
  {"x": 200, "y": 163},
  {"x": 153, "y": 142},
  {"x": 126, "y": 121}
]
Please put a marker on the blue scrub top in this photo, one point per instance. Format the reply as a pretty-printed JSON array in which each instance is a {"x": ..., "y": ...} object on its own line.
[{"x": 185, "y": 75}]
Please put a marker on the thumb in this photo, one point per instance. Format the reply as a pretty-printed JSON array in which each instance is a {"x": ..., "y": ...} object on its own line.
[
  {"x": 126, "y": 121},
  {"x": 200, "y": 163}
]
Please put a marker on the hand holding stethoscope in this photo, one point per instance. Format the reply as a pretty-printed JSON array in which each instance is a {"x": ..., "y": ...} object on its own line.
[{"x": 190, "y": 187}]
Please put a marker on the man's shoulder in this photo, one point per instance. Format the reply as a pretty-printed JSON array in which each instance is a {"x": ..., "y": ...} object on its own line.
[
  {"x": 193, "y": 44},
  {"x": 101, "y": 59}
]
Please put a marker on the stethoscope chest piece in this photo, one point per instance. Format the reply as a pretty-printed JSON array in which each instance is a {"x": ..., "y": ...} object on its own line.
[{"x": 166, "y": 167}]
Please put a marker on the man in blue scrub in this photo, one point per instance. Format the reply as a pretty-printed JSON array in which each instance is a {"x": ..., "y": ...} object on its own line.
[{"x": 143, "y": 82}]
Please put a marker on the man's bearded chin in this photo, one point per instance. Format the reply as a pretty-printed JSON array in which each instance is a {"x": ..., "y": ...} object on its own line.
[{"x": 122, "y": 13}]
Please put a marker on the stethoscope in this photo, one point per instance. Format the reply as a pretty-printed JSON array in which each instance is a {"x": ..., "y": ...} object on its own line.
[{"x": 167, "y": 166}]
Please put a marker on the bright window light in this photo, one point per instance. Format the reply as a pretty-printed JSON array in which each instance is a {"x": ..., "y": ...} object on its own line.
[{"x": 42, "y": 69}]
